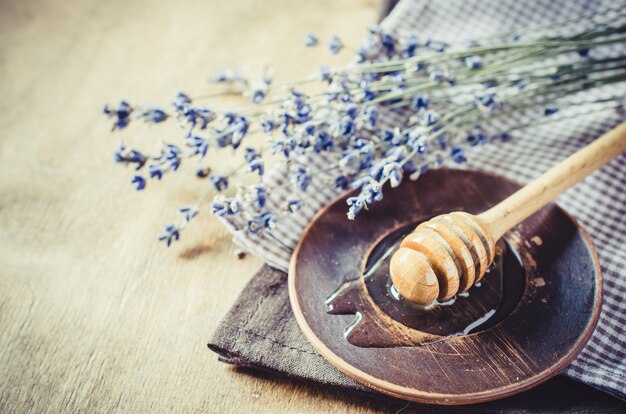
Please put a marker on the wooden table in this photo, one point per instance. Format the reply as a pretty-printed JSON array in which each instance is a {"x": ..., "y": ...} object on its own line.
[{"x": 95, "y": 315}]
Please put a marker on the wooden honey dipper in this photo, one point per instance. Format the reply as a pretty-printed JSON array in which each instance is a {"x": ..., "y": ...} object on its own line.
[{"x": 451, "y": 252}]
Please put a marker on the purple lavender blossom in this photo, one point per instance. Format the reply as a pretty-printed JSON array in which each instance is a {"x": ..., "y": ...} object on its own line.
[
  {"x": 267, "y": 125},
  {"x": 311, "y": 40},
  {"x": 227, "y": 76},
  {"x": 458, "y": 155},
  {"x": 220, "y": 182},
  {"x": 155, "y": 171},
  {"x": 437, "y": 75},
  {"x": 411, "y": 45},
  {"x": 345, "y": 122},
  {"x": 222, "y": 206},
  {"x": 388, "y": 43},
  {"x": 199, "y": 146},
  {"x": 172, "y": 157},
  {"x": 335, "y": 45},
  {"x": 429, "y": 118},
  {"x": 473, "y": 62},
  {"x": 120, "y": 115},
  {"x": 302, "y": 178},
  {"x": 268, "y": 219},
  {"x": 420, "y": 101},
  {"x": 355, "y": 205},
  {"x": 170, "y": 234},
  {"x": 130, "y": 156},
  {"x": 188, "y": 213},
  {"x": 436, "y": 45},
  {"x": 293, "y": 205},
  {"x": 139, "y": 181},
  {"x": 152, "y": 115},
  {"x": 257, "y": 196},
  {"x": 255, "y": 225}
]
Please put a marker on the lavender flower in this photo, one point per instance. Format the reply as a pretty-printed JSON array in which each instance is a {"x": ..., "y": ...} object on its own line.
[
  {"x": 437, "y": 75},
  {"x": 302, "y": 178},
  {"x": 227, "y": 76},
  {"x": 311, "y": 40},
  {"x": 458, "y": 155},
  {"x": 325, "y": 74},
  {"x": 473, "y": 62},
  {"x": 120, "y": 115},
  {"x": 195, "y": 117},
  {"x": 342, "y": 182},
  {"x": 152, "y": 115},
  {"x": 130, "y": 156},
  {"x": 256, "y": 196},
  {"x": 369, "y": 116},
  {"x": 255, "y": 225},
  {"x": 172, "y": 157},
  {"x": 504, "y": 137},
  {"x": 293, "y": 205},
  {"x": 362, "y": 55},
  {"x": 139, "y": 181},
  {"x": 420, "y": 101},
  {"x": 489, "y": 103},
  {"x": 371, "y": 192},
  {"x": 199, "y": 146},
  {"x": 476, "y": 138},
  {"x": 429, "y": 118},
  {"x": 268, "y": 219},
  {"x": 323, "y": 142},
  {"x": 355, "y": 205},
  {"x": 397, "y": 75},
  {"x": 155, "y": 171},
  {"x": 388, "y": 43},
  {"x": 411, "y": 45},
  {"x": 267, "y": 125},
  {"x": 181, "y": 101},
  {"x": 220, "y": 182},
  {"x": 335, "y": 45},
  {"x": 239, "y": 128},
  {"x": 436, "y": 45},
  {"x": 256, "y": 165},
  {"x": 170, "y": 234},
  {"x": 223, "y": 206},
  {"x": 258, "y": 95},
  {"x": 393, "y": 173},
  {"x": 188, "y": 213}
]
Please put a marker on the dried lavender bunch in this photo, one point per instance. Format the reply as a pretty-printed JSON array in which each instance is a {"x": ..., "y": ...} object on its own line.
[{"x": 454, "y": 97}]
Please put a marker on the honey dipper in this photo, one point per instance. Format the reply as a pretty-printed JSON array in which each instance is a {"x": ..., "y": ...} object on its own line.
[{"x": 451, "y": 252}]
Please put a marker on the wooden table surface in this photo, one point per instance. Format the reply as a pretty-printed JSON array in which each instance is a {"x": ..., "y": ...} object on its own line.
[{"x": 95, "y": 315}]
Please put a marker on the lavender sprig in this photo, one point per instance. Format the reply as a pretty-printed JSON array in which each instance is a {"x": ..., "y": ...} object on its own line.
[{"x": 455, "y": 96}]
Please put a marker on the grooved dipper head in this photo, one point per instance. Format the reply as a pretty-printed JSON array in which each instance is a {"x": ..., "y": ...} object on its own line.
[{"x": 443, "y": 256}]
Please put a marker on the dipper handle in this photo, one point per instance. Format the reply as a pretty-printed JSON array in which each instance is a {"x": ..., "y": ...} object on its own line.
[
  {"x": 451, "y": 252},
  {"x": 513, "y": 210}
]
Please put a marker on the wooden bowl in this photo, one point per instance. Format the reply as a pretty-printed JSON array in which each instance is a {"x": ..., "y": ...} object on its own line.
[{"x": 537, "y": 337}]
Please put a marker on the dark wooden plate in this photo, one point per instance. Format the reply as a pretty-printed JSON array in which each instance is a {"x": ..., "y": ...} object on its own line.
[{"x": 540, "y": 336}]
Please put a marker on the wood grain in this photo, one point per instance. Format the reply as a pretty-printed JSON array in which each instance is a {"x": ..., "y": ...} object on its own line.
[{"x": 94, "y": 315}]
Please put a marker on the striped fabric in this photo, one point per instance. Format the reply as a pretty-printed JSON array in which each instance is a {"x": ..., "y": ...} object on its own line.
[{"x": 598, "y": 203}]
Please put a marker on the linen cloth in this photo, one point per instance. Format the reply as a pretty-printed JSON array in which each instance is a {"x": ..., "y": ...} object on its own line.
[{"x": 598, "y": 203}]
